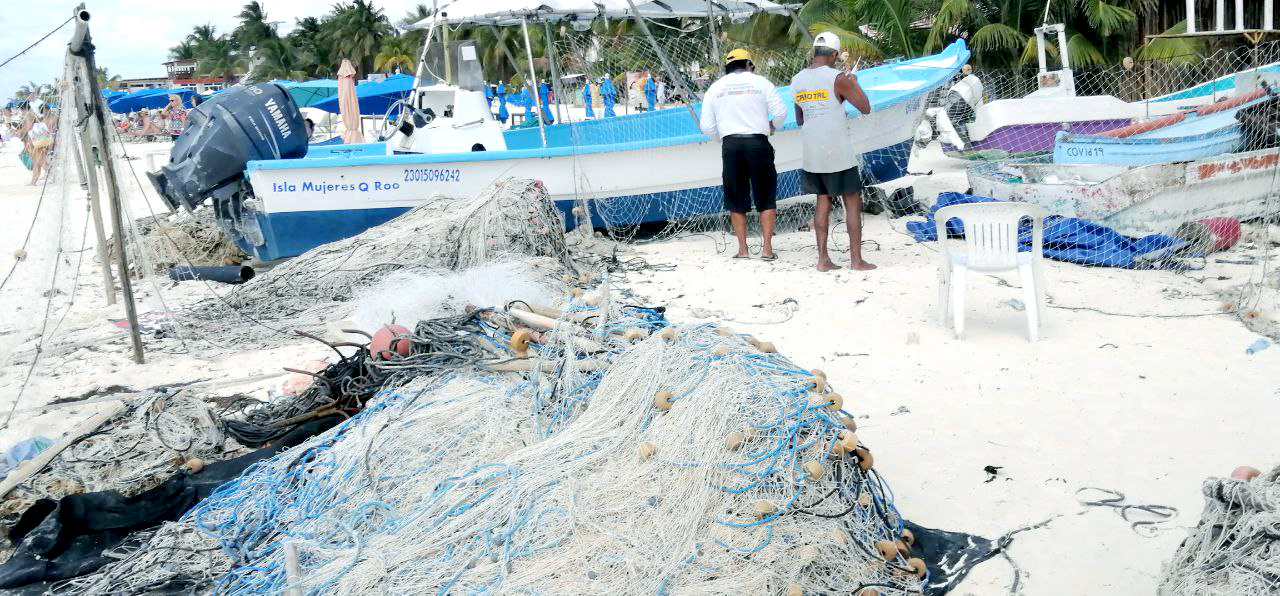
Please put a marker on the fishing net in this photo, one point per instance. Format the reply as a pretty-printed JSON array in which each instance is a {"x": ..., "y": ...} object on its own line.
[
  {"x": 694, "y": 462},
  {"x": 511, "y": 218},
  {"x": 184, "y": 238},
  {"x": 1234, "y": 549}
]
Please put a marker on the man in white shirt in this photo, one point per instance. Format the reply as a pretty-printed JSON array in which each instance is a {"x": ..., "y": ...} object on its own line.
[
  {"x": 830, "y": 165},
  {"x": 742, "y": 109}
]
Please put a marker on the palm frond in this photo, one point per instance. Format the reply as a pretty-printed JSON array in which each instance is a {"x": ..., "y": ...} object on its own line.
[
  {"x": 1082, "y": 52},
  {"x": 857, "y": 44},
  {"x": 951, "y": 13},
  {"x": 997, "y": 37},
  {"x": 1105, "y": 18},
  {"x": 1183, "y": 50}
]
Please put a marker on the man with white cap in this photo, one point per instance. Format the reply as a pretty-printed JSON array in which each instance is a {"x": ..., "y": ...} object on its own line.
[
  {"x": 742, "y": 109},
  {"x": 830, "y": 164}
]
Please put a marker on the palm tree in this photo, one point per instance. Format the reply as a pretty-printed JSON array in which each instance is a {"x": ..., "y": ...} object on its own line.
[
  {"x": 872, "y": 29},
  {"x": 277, "y": 58},
  {"x": 185, "y": 50},
  {"x": 308, "y": 38},
  {"x": 254, "y": 28},
  {"x": 107, "y": 80},
  {"x": 1000, "y": 31},
  {"x": 397, "y": 51},
  {"x": 220, "y": 57},
  {"x": 355, "y": 31},
  {"x": 411, "y": 18},
  {"x": 202, "y": 34}
]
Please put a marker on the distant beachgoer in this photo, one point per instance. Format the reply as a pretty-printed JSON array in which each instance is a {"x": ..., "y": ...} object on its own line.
[
  {"x": 830, "y": 165},
  {"x": 742, "y": 109},
  {"x": 40, "y": 140}
]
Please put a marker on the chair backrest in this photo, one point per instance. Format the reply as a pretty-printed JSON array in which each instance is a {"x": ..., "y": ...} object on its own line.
[{"x": 991, "y": 231}]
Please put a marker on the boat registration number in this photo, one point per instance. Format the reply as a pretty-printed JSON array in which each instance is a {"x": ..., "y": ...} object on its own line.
[{"x": 432, "y": 175}]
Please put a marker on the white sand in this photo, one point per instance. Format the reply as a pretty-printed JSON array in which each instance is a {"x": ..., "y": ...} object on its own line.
[{"x": 1145, "y": 406}]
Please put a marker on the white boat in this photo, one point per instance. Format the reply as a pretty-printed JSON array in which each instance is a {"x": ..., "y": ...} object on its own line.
[
  {"x": 1136, "y": 201},
  {"x": 1030, "y": 124}
]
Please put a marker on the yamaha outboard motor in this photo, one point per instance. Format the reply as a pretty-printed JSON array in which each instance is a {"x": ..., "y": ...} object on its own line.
[{"x": 239, "y": 125}]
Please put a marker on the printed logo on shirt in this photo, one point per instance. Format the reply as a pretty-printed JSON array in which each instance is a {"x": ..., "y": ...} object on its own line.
[{"x": 809, "y": 96}]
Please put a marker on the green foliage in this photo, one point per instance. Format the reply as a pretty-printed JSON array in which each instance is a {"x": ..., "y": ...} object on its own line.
[
  {"x": 355, "y": 31},
  {"x": 396, "y": 52}
]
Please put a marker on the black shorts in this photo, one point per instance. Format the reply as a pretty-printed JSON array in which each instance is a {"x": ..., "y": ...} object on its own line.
[
  {"x": 833, "y": 184},
  {"x": 749, "y": 175}
]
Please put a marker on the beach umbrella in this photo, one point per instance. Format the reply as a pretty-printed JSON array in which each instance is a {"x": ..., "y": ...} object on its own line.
[
  {"x": 347, "y": 103},
  {"x": 309, "y": 93},
  {"x": 147, "y": 99}
]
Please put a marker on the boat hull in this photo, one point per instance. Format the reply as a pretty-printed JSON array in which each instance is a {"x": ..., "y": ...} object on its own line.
[
  {"x": 1136, "y": 201},
  {"x": 300, "y": 204}
]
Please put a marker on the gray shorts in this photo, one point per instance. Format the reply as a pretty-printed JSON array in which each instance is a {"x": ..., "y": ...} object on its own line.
[{"x": 833, "y": 184}]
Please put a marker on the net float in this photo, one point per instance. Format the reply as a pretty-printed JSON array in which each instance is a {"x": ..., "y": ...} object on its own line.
[
  {"x": 848, "y": 422},
  {"x": 864, "y": 499},
  {"x": 647, "y": 450},
  {"x": 592, "y": 299},
  {"x": 848, "y": 440},
  {"x": 916, "y": 564},
  {"x": 389, "y": 341},
  {"x": 724, "y": 331},
  {"x": 887, "y": 549},
  {"x": 1245, "y": 473},
  {"x": 584, "y": 277},
  {"x": 819, "y": 383},
  {"x": 662, "y": 400},
  {"x": 868, "y": 592},
  {"x": 839, "y": 536},
  {"x": 668, "y": 334},
  {"x": 902, "y": 547},
  {"x": 837, "y": 402},
  {"x": 765, "y": 508},
  {"x": 813, "y": 470},
  {"x": 865, "y": 460},
  {"x": 767, "y": 347},
  {"x": 909, "y": 537},
  {"x": 734, "y": 440},
  {"x": 836, "y": 449},
  {"x": 817, "y": 372},
  {"x": 634, "y": 334},
  {"x": 794, "y": 590},
  {"x": 193, "y": 465},
  {"x": 721, "y": 351},
  {"x": 20, "y": 255},
  {"x": 520, "y": 342}
]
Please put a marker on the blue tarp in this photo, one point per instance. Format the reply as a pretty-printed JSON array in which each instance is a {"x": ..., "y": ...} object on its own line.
[
  {"x": 148, "y": 99},
  {"x": 374, "y": 98},
  {"x": 1066, "y": 239}
]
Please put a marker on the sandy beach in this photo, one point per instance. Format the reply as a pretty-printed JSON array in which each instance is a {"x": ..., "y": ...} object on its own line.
[{"x": 1140, "y": 383}]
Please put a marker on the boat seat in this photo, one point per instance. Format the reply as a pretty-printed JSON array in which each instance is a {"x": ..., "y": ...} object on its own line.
[{"x": 991, "y": 246}]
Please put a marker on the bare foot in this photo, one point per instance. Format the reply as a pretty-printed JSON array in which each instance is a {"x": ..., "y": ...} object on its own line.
[
  {"x": 861, "y": 266},
  {"x": 827, "y": 265}
]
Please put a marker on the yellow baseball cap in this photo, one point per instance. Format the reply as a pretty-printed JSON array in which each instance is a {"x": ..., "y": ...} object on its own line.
[{"x": 736, "y": 55}]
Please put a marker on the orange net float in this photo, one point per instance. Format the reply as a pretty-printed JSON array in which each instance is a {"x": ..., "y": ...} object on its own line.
[
  {"x": 887, "y": 549},
  {"x": 865, "y": 460},
  {"x": 662, "y": 400},
  {"x": 917, "y": 565},
  {"x": 647, "y": 450},
  {"x": 520, "y": 342},
  {"x": 390, "y": 341}
]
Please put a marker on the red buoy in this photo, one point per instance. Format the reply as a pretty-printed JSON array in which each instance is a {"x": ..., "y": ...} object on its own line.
[{"x": 389, "y": 339}]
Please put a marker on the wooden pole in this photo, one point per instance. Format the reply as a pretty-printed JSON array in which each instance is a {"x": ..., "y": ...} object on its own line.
[
  {"x": 82, "y": 46},
  {"x": 29, "y": 468},
  {"x": 95, "y": 206}
]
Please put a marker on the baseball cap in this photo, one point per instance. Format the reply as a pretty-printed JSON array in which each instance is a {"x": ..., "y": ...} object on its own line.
[
  {"x": 736, "y": 55},
  {"x": 827, "y": 39}
]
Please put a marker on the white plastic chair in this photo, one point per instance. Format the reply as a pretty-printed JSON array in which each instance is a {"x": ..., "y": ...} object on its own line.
[{"x": 991, "y": 240}]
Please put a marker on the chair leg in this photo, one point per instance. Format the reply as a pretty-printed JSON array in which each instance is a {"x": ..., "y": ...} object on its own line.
[
  {"x": 1037, "y": 271},
  {"x": 957, "y": 298},
  {"x": 1030, "y": 297},
  {"x": 944, "y": 296}
]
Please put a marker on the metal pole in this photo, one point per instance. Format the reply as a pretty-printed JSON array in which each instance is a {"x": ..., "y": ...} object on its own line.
[
  {"x": 91, "y": 176},
  {"x": 555, "y": 70},
  {"x": 666, "y": 63},
  {"x": 515, "y": 65},
  {"x": 82, "y": 46},
  {"x": 537, "y": 97},
  {"x": 711, "y": 32},
  {"x": 1191, "y": 16}
]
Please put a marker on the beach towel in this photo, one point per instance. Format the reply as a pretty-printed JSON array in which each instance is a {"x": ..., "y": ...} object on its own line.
[{"x": 1066, "y": 239}]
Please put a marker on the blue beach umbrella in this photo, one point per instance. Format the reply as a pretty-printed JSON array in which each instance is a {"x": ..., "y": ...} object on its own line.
[{"x": 374, "y": 98}]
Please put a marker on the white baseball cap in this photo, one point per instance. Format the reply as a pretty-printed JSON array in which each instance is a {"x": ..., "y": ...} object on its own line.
[{"x": 827, "y": 39}]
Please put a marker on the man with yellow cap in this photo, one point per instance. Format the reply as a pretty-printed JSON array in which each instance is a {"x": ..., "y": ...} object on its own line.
[
  {"x": 742, "y": 109},
  {"x": 829, "y": 167}
]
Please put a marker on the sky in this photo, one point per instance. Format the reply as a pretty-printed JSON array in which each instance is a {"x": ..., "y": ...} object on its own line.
[{"x": 132, "y": 37}]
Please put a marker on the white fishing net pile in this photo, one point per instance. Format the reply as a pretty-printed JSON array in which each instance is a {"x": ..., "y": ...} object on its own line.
[
  {"x": 511, "y": 218},
  {"x": 1236, "y": 547},
  {"x": 183, "y": 239},
  {"x": 460, "y": 483}
]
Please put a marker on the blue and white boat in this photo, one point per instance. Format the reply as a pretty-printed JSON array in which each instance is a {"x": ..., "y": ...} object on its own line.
[
  {"x": 1206, "y": 132},
  {"x": 645, "y": 167}
]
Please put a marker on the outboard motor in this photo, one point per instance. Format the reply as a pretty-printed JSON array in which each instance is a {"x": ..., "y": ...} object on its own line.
[
  {"x": 957, "y": 110},
  {"x": 239, "y": 125}
]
